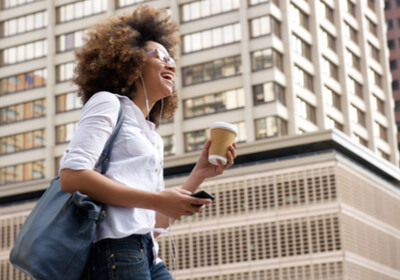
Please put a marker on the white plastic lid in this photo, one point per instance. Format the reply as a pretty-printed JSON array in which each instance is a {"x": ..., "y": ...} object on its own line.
[
  {"x": 213, "y": 159},
  {"x": 224, "y": 125}
]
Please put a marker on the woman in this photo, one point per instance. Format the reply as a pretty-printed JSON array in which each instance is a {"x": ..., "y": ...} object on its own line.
[{"x": 126, "y": 62}]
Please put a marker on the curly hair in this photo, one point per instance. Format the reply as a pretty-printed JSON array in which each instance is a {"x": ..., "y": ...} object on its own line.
[{"x": 114, "y": 53}]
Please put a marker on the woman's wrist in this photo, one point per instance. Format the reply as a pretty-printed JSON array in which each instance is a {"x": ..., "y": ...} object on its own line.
[{"x": 193, "y": 181}]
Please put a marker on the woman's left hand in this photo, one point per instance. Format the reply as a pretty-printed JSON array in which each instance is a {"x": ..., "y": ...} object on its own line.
[{"x": 204, "y": 169}]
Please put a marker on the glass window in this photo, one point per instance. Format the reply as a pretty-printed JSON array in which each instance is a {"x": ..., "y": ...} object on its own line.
[
  {"x": 195, "y": 10},
  {"x": 204, "y": 8},
  {"x": 357, "y": 116},
  {"x": 373, "y": 51},
  {"x": 65, "y": 71},
  {"x": 206, "y": 38},
  {"x": 211, "y": 70},
  {"x": 329, "y": 69},
  {"x": 214, "y": 103},
  {"x": 217, "y": 37},
  {"x": 378, "y": 104},
  {"x": 391, "y": 44},
  {"x": 260, "y": 26},
  {"x": 169, "y": 145},
  {"x": 350, "y": 33},
  {"x": 271, "y": 126},
  {"x": 213, "y": 37},
  {"x": 265, "y": 59},
  {"x": 22, "y": 172},
  {"x": 216, "y": 7},
  {"x": 25, "y": 23},
  {"x": 354, "y": 87},
  {"x": 305, "y": 110},
  {"x": 228, "y": 34},
  {"x": 22, "y": 111},
  {"x": 5, "y": 4},
  {"x": 268, "y": 92},
  {"x": 65, "y": 132},
  {"x": 30, "y": 22},
  {"x": 332, "y": 123},
  {"x": 195, "y": 140},
  {"x": 331, "y": 98},
  {"x": 301, "y": 48},
  {"x": 395, "y": 85},
  {"x": 303, "y": 78},
  {"x": 67, "y": 102},
  {"x": 380, "y": 131},
  {"x": 23, "y": 141},
  {"x": 298, "y": 16},
  {"x": 371, "y": 26},
  {"x": 374, "y": 77},
  {"x": 325, "y": 11},
  {"x": 80, "y": 9}
]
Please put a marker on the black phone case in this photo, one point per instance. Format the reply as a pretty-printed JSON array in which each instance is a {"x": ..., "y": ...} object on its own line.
[{"x": 203, "y": 194}]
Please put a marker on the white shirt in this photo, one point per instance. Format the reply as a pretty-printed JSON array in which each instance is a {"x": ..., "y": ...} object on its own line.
[{"x": 136, "y": 160}]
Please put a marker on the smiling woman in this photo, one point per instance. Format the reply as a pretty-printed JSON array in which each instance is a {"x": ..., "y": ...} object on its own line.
[{"x": 128, "y": 62}]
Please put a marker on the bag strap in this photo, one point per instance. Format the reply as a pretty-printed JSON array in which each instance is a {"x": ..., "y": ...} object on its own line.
[{"x": 104, "y": 159}]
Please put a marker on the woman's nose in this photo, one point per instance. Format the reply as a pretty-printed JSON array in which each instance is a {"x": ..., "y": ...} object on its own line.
[{"x": 170, "y": 67}]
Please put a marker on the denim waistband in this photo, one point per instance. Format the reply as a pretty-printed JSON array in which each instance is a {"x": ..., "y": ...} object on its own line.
[{"x": 136, "y": 237}]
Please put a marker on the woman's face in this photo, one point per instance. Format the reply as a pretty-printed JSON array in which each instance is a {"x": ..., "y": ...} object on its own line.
[{"x": 158, "y": 72}]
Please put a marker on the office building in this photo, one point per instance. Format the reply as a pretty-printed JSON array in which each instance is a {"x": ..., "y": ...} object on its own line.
[{"x": 307, "y": 83}]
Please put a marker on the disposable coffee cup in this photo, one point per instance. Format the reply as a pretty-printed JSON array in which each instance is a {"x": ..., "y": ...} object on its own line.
[{"x": 222, "y": 136}]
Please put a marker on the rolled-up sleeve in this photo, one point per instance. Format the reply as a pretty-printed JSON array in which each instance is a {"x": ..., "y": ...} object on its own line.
[{"x": 99, "y": 116}]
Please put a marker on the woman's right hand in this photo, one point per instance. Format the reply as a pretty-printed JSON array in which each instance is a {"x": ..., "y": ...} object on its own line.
[{"x": 177, "y": 202}]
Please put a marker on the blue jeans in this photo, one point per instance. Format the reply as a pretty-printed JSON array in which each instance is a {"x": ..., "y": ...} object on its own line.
[{"x": 122, "y": 259}]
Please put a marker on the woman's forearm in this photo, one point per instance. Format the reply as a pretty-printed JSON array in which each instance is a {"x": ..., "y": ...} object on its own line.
[
  {"x": 104, "y": 190},
  {"x": 191, "y": 184}
]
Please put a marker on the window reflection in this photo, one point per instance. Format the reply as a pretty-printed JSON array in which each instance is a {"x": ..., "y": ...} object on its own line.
[
  {"x": 65, "y": 132},
  {"x": 23, "y": 52},
  {"x": 265, "y": 59},
  {"x": 205, "y": 8},
  {"x": 80, "y": 9},
  {"x": 169, "y": 145},
  {"x": 25, "y": 81},
  {"x": 214, "y": 70},
  {"x": 260, "y": 26},
  {"x": 303, "y": 78},
  {"x": 23, "y": 24},
  {"x": 22, "y": 172},
  {"x": 22, "y": 111},
  {"x": 211, "y": 38},
  {"x": 70, "y": 41},
  {"x": 67, "y": 102},
  {"x": 214, "y": 103},
  {"x": 271, "y": 126},
  {"x": 357, "y": 115},
  {"x": 268, "y": 92},
  {"x": 298, "y": 16},
  {"x": 5, "y": 4},
  {"x": 64, "y": 72},
  {"x": 305, "y": 110},
  {"x": 331, "y": 97},
  {"x": 329, "y": 68},
  {"x": 23, "y": 141}
]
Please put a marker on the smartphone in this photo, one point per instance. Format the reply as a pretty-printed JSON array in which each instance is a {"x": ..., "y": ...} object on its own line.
[{"x": 202, "y": 194}]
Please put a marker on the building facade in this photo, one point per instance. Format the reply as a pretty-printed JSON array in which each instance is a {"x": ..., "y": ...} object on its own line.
[
  {"x": 276, "y": 69},
  {"x": 309, "y": 209}
]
